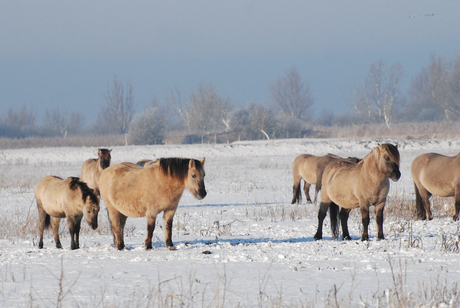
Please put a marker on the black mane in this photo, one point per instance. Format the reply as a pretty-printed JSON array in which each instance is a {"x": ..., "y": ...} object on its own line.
[
  {"x": 85, "y": 190},
  {"x": 177, "y": 167}
]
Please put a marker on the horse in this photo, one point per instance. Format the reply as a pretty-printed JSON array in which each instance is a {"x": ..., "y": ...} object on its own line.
[
  {"x": 130, "y": 190},
  {"x": 310, "y": 168},
  {"x": 360, "y": 185},
  {"x": 435, "y": 174},
  {"x": 92, "y": 169},
  {"x": 70, "y": 198}
]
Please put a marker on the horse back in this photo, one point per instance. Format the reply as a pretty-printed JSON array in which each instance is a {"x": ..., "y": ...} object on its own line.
[
  {"x": 439, "y": 174},
  {"x": 89, "y": 172}
]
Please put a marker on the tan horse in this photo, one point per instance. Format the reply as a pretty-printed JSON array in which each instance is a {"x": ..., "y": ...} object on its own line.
[
  {"x": 70, "y": 198},
  {"x": 435, "y": 174},
  {"x": 358, "y": 185},
  {"x": 310, "y": 168},
  {"x": 129, "y": 190},
  {"x": 92, "y": 169}
]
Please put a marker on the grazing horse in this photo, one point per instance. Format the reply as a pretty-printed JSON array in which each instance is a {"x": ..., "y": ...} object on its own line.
[
  {"x": 70, "y": 198},
  {"x": 310, "y": 168},
  {"x": 358, "y": 185},
  {"x": 92, "y": 169},
  {"x": 435, "y": 174},
  {"x": 129, "y": 190}
]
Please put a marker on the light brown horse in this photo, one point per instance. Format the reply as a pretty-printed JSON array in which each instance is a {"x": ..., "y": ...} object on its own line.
[
  {"x": 70, "y": 198},
  {"x": 129, "y": 190},
  {"x": 310, "y": 168},
  {"x": 92, "y": 169},
  {"x": 435, "y": 174},
  {"x": 358, "y": 185}
]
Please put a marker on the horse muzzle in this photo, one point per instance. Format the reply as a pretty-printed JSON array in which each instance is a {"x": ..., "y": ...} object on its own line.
[
  {"x": 201, "y": 194},
  {"x": 395, "y": 175}
]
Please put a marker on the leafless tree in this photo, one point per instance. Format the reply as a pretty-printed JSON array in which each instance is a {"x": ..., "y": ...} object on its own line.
[
  {"x": 149, "y": 126},
  {"x": 435, "y": 91},
  {"x": 119, "y": 110},
  {"x": 205, "y": 111},
  {"x": 379, "y": 99},
  {"x": 292, "y": 95},
  {"x": 262, "y": 120}
]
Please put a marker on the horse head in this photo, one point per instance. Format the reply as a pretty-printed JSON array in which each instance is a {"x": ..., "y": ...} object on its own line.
[
  {"x": 91, "y": 210},
  {"x": 195, "y": 178},
  {"x": 388, "y": 161},
  {"x": 104, "y": 157}
]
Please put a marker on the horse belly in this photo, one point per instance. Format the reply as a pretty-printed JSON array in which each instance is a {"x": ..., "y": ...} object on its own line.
[{"x": 438, "y": 187}]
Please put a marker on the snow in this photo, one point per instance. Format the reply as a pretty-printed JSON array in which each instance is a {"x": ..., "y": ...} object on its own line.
[{"x": 244, "y": 244}]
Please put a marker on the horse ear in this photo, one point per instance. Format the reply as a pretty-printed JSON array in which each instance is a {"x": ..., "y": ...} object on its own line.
[
  {"x": 110, "y": 151},
  {"x": 191, "y": 163},
  {"x": 203, "y": 160}
]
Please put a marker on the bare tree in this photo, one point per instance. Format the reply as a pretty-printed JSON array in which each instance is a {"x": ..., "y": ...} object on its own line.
[
  {"x": 205, "y": 111},
  {"x": 379, "y": 99},
  {"x": 292, "y": 95},
  {"x": 149, "y": 126},
  {"x": 262, "y": 120},
  {"x": 119, "y": 110}
]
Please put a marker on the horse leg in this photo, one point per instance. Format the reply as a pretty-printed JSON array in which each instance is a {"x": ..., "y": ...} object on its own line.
[
  {"x": 457, "y": 203},
  {"x": 379, "y": 217},
  {"x": 422, "y": 201},
  {"x": 365, "y": 220},
  {"x": 323, "y": 207},
  {"x": 74, "y": 224},
  {"x": 117, "y": 230},
  {"x": 344, "y": 214},
  {"x": 151, "y": 219},
  {"x": 42, "y": 219},
  {"x": 306, "y": 189},
  {"x": 168, "y": 219},
  {"x": 55, "y": 227},
  {"x": 296, "y": 194}
]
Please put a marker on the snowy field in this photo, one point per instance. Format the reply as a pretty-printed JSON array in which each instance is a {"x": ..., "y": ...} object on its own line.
[{"x": 243, "y": 245}]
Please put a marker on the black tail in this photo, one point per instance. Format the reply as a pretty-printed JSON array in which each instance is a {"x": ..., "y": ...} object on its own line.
[
  {"x": 47, "y": 221},
  {"x": 297, "y": 193},
  {"x": 421, "y": 212},
  {"x": 335, "y": 222}
]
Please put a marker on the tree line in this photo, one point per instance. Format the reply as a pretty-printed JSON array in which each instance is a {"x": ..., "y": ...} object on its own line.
[{"x": 434, "y": 95}]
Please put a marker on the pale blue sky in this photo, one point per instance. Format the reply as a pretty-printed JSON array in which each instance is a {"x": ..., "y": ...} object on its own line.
[{"x": 65, "y": 53}]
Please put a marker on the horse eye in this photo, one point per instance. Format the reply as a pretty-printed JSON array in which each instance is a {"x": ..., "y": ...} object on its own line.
[
  {"x": 194, "y": 176},
  {"x": 387, "y": 158}
]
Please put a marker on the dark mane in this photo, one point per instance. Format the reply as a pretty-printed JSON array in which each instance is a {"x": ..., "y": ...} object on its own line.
[
  {"x": 177, "y": 167},
  {"x": 85, "y": 190}
]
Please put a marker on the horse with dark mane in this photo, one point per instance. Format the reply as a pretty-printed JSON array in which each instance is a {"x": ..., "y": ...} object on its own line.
[
  {"x": 92, "y": 169},
  {"x": 310, "y": 168},
  {"x": 130, "y": 190},
  {"x": 69, "y": 198},
  {"x": 435, "y": 174},
  {"x": 358, "y": 185}
]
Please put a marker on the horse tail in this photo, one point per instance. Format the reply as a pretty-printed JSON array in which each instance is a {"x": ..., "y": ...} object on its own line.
[
  {"x": 335, "y": 222},
  {"x": 47, "y": 221},
  {"x": 297, "y": 193},
  {"x": 419, "y": 203}
]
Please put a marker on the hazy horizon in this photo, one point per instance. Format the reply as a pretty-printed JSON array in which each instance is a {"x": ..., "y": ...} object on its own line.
[{"x": 66, "y": 53}]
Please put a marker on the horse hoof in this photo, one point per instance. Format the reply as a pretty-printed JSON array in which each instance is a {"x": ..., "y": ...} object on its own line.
[
  {"x": 364, "y": 238},
  {"x": 347, "y": 238},
  {"x": 318, "y": 237},
  {"x": 172, "y": 247},
  {"x": 121, "y": 247}
]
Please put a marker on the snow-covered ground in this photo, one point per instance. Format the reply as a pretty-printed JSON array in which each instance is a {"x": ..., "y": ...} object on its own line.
[{"x": 244, "y": 244}]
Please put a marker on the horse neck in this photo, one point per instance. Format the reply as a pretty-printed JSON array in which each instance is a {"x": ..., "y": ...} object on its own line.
[
  {"x": 177, "y": 185},
  {"x": 370, "y": 164}
]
